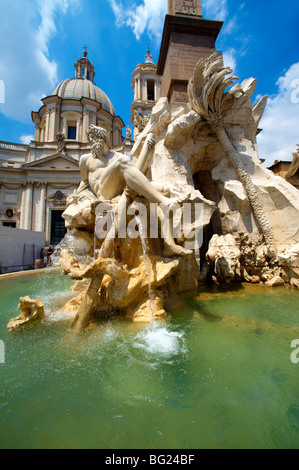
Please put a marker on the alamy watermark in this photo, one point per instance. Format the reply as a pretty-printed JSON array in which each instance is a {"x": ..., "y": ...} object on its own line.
[
  {"x": 2, "y": 92},
  {"x": 295, "y": 353},
  {"x": 183, "y": 222},
  {"x": 2, "y": 352},
  {"x": 295, "y": 92}
]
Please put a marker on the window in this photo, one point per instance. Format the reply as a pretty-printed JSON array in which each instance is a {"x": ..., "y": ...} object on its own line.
[
  {"x": 9, "y": 224},
  {"x": 151, "y": 90},
  {"x": 72, "y": 132}
]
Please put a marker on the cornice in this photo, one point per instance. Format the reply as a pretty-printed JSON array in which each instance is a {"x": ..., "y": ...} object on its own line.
[{"x": 185, "y": 25}]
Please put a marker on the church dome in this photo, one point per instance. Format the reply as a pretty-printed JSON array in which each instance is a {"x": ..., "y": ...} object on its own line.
[{"x": 77, "y": 88}]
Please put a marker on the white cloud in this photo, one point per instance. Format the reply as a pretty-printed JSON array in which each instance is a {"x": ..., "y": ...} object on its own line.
[
  {"x": 26, "y": 139},
  {"x": 25, "y": 67},
  {"x": 147, "y": 16},
  {"x": 229, "y": 59},
  {"x": 215, "y": 9},
  {"x": 280, "y": 123}
]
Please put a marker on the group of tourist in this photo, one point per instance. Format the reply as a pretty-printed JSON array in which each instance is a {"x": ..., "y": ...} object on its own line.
[{"x": 45, "y": 255}]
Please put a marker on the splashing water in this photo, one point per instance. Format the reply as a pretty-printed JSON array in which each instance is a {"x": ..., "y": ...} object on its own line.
[
  {"x": 161, "y": 341},
  {"x": 148, "y": 267}
]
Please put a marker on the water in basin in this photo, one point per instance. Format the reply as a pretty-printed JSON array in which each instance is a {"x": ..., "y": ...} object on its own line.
[{"x": 216, "y": 374}]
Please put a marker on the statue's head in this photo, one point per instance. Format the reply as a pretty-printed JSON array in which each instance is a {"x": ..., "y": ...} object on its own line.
[{"x": 98, "y": 136}]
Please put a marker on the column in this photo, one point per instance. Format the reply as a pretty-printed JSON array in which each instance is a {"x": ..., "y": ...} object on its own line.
[
  {"x": 144, "y": 90},
  {"x": 28, "y": 206},
  {"x": 51, "y": 125},
  {"x": 64, "y": 128},
  {"x": 56, "y": 123},
  {"x": 139, "y": 89},
  {"x": 85, "y": 125},
  {"x": 47, "y": 125},
  {"x": 37, "y": 133},
  {"x": 42, "y": 211},
  {"x": 80, "y": 130},
  {"x": 22, "y": 215}
]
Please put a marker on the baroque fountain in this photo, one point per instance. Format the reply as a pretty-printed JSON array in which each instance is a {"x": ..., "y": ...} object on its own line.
[
  {"x": 192, "y": 209},
  {"x": 141, "y": 232}
]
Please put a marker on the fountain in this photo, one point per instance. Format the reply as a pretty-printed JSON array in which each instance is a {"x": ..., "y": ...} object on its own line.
[
  {"x": 192, "y": 204},
  {"x": 137, "y": 222}
]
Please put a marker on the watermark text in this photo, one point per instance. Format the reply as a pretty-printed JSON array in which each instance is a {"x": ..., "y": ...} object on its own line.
[
  {"x": 295, "y": 353},
  {"x": 176, "y": 221},
  {"x": 2, "y": 352}
]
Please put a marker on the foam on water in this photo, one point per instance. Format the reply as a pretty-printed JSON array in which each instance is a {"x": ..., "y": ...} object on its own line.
[{"x": 160, "y": 340}]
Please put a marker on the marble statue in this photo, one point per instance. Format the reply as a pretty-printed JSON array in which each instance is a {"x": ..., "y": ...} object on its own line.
[
  {"x": 224, "y": 257},
  {"x": 252, "y": 214},
  {"x": 200, "y": 155},
  {"x": 114, "y": 178},
  {"x": 106, "y": 175},
  {"x": 139, "y": 122},
  {"x": 128, "y": 133}
]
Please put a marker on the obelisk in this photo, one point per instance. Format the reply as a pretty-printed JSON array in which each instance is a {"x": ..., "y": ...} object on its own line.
[
  {"x": 187, "y": 37},
  {"x": 185, "y": 7}
]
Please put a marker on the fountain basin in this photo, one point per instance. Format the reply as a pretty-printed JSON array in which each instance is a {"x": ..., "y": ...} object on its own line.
[{"x": 216, "y": 373}]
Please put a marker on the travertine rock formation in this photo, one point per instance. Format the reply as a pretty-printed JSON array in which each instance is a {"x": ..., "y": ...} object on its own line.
[
  {"x": 224, "y": 257},
  {"x": 32, "y": 311}
]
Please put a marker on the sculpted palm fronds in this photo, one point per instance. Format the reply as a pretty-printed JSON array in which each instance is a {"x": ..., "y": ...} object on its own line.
[
  {"x": 207, "y": 97},
  {"x": 206, "y": 89}
]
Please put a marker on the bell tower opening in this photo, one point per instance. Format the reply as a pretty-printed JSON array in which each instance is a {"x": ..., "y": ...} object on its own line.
[{"x": 151, "y": 90}]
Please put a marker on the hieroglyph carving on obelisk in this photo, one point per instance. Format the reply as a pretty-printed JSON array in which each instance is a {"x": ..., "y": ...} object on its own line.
[{"x": 185, "y": 7}]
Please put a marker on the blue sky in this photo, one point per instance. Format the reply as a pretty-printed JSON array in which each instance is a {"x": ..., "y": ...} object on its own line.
[{"x": 41, "y": 40}]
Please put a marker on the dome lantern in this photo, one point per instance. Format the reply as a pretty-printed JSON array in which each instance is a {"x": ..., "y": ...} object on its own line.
[{"x": 84, "y": 68}]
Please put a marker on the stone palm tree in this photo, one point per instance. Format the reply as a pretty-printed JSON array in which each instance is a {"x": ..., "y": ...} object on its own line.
[{"x": 207, "y": 97}]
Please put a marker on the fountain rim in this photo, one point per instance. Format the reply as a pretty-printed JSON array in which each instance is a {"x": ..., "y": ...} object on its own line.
[{"x": 28, "y": 272}]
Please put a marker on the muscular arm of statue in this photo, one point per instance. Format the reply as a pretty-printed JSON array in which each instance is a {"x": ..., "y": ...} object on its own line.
[
  {"x": 84, "y": 174},
  {"x": 109, "y": 172}
]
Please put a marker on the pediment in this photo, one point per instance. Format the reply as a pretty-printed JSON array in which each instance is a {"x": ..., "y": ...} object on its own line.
[{"x": 57, "y": 161}]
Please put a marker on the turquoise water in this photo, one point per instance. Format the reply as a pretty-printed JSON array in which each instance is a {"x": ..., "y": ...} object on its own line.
[{"x": 216, "y": 374}]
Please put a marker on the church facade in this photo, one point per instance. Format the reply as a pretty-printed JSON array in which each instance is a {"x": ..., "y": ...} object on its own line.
[{"x": 37, "y": 179}]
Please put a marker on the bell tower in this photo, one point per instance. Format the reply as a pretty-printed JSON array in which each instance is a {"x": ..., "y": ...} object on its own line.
[
  {"x": 187, "y": 37},
  {"x": 146, "y": 87}
]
